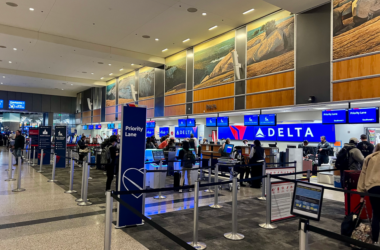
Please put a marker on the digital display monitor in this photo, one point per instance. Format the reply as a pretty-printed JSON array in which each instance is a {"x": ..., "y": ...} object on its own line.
[
  {"x": 163, "y": 131},
  {"x": 251, "y": 120},
  {"x": 228, "y": 148},
  {"x": 16, "y": 104},
  {"x": 84, "y": 127},
  {"x": 334, "y": 116},
  {"x": 363, "y": 115},
  {"x": 158, "y": 155},
  {"x": 268, "y": 120},
  {"x": 223, "y": 121},
  {"x": 150, "y": 124},
  {"x": 307, "y": 200},
  {"x": 190, "y": 122},
  {"x": 182, "y": 123},
  {"x": 110, "y": 126},
  {"x": 90, "y": 127},
  {"x": 1, "y": 104},
  {"x": 179, "y": 149},
  {"x": 149, "y": 132},
  {"x": 211, "y": 122},
  {"x": 98, "y": 126}
]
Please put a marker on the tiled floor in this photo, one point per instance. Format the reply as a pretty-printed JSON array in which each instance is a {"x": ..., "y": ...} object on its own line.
[{"x": 44, "y": 217}]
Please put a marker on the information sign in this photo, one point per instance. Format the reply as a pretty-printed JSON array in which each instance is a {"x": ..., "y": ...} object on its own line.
[
  {"x": 334, "y": 116},
  {"x": 60, "y": 145},
  {"x": 16, "y": 104},
  {"x": 251, "y": 120},
  {"x": 363, "y": 115},
  {"x": 211, "y": 122},
  {"x": 44, "y": 142}
]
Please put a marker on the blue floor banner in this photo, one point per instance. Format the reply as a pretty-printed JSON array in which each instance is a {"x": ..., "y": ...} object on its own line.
[
  {"x": 132, "y": 163},
  {"x": 60, "y": 145}
]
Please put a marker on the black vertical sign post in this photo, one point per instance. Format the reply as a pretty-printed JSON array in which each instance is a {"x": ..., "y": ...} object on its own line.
[
  {"x": 44, "y": 142},
  {"x": 60, "y": 145}
]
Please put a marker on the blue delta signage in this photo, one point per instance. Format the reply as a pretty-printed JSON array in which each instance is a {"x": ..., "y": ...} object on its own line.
[
  {"x": 163, "y": 131},
  {"x": 185, "y": 132},
  {"x": 284, "y": 132}
]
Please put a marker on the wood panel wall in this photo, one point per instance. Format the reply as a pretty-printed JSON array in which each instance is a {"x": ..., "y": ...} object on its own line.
[
  {"x": 86, "y": 113},
  {"x": 110, "y": 118},
  {"x": 277, "y": 81},
  {"x": 148, "y": 103},
  {"x": 357, "y": 67},
  {"x": 270, "y": 99},
  {"x": 359, "y": 89},
  {"x": 86, "y": 120},
  {"x": 214, "y": 92},
  {"x": 175, "y": 99},
  {"x": 97, "y": 112},
  {"x": 175, "y": 110},
  {"x": 221, "y": 105},
  {"x": 110, "y": 110},
  {"x": 150, "y": 113},
  {"x": 96, "y": 119}
]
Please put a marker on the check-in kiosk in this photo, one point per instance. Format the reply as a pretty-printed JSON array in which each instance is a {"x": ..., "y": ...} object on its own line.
[{"x": 155, "y": 179}]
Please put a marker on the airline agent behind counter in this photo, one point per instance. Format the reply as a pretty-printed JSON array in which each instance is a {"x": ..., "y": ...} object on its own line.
[
  {"x": 256, "y": 156},
  {"x": 323, "y": 151}
]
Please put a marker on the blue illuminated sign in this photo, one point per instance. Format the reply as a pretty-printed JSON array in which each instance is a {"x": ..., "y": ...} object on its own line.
[
  {"x": 268, "y": 120},
  {"x": 223, "y": 121},
  {"x": 84, "y": 127},
  {"x": 185, "y": 132},
  {"x": 284, "y": 132},
  {"x": 16, "y": 104},
  {"x": 334, "y": 116},
  {"x": 191, "y": 122},
  {"x": 150, "y": 124},
  {"x": 98, "y": 126},
  {"x": 149, "y": 132},
  {"x": 90, "y": 127},
  {"x": 1, "y": 104},
  {"x": 363, "y": 115},
  {"x": 163, "y": 131},
  {"x": 251, "y": 120},
  {"x": 211, "y": 122},
  {"x": 182, "y": 123}
]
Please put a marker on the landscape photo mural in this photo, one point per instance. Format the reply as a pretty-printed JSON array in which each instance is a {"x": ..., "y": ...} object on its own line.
[
  {"x": 213, "y": 61},
  {"x": 127, "y": 88},
  {"x": 356, "y": 27},
  {"x": 175, "y": 73},
  {"x": 146, "y": 83},
  {"x": 111, "y": 93},
  {"x": 270, "y": 44}
]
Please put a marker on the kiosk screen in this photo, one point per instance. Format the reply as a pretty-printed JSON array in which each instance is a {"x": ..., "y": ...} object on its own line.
[{"x": 307, "y": 200}]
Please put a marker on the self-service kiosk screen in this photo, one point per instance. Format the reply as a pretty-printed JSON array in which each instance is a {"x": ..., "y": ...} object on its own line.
[
  {"x": 228, "y": 148},
  {"x": 158, "y": 155}
]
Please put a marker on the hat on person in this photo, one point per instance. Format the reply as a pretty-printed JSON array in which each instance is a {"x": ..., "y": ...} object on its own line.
[{"x": 354, "y": 140}]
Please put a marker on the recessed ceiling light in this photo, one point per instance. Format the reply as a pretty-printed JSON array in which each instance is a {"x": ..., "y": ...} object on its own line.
[
  {"x": 156, "y": 39},
  {"x": 14, "y": 48},
  {"x": 11, "y": 4},
  {"x": 101, "y": 77},
  {"x": 71, "y": 84},
  {"x": 121, "y": 69},
  {"x": 186, "y": 40},
  {"x": 214, "y": 27},
  {"x": 111, "y": 74},
  {"x": 109, "y": 64},
  {"x": 146, "y": 36},
  {"x": 92, "y": 73},
  {"x": 164, "y": 50},
  {"x": 204, "y": 14},
  {"x": 1, "y": 83},
  {"x": 132, "y": 64},
  {"x": 248, "y": 11},
  {"x": 62, "y": 89},
  {"x": 10, "y": 61},
  {"x": 31, "y": 9},
  {"x": 3, "y": 76}
]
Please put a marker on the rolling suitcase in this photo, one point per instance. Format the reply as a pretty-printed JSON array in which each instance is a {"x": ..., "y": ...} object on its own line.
[
  {"x": 351, "y": 179},
  {"x": 352, "y": 201},
  {"x": 177, "y": 178}
]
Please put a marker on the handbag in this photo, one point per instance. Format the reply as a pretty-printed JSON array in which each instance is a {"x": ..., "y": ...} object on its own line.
[
  {"x": 351, "y": 221},
  {"x": 363, "y": 232}
]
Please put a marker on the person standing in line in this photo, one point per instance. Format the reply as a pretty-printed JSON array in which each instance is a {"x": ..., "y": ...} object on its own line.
[
  {"x": 369, "y": 181},
  {"x": 82, "y": 146},
  {"x": 364, "y": 146},
  {"x": 256, "y": 156},
  {"x": 355, "y": 159},
  {"x": 323, "y": 151},
  {"x": 18, "y": 146},
  {"x": 193, "y": 142},
  {"x": 186, "y": 164},
  {"x": 113, "y": 166}
]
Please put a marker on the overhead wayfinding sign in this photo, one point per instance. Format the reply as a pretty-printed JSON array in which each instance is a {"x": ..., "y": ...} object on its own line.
[
  {"x": 284, "y": 132},
  {"x": 16, "y": 104}
]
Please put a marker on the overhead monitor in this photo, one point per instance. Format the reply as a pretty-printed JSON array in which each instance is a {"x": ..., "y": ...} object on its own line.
[
  {"x": 158, "y": 154},
  {"x": 119, "y": 125},
  {"x": 84, "y": 127},
  {"x": 90, "y": 127},
  {"x": 338, "y": 116},
  {"x": 182, "y": 123},
  {"x": 228, "y": 148},
  {"x": 163, "y": 131},
  {"x": 98, "y": 126},
  {"x": 211, "y": 122},
  {"x": 16, "y": 104},
  {"x": 223, "y": 121},
  {"x": 251, "y": 120},
  {"x": 268, "y": 120},
  {"x": 110, "y": 126},
  {"x": 150, "y": 124},
  {"x": 149, "y": 132},
  {"x": 191, "y": 122},
  {"x": 1, "y": 104},
  {"x": 307, "y": 200},
  {"x": 363, "y": 115}
]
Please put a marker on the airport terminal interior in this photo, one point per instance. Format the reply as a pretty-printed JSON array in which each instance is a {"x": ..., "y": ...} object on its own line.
[{"x": 189, "y": 124}]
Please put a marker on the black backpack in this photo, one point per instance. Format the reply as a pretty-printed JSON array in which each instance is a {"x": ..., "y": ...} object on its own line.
[
  {"x": 351, "y": 221},
  {"x": 192, "y": 143},
  {"x": 188, "y": 159},
  {"x": 342, "y": 159}
]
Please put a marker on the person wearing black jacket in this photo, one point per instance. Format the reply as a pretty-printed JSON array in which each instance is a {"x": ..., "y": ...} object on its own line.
[
  {"x": 364, "y": 146},
  {"x": 18, "y": 146},
  {"x": 113, "y": 166},
  {"x": 257, "y": 157},
  {"x": 82, "y": 145},
  {"x": 323, "y": 151}
]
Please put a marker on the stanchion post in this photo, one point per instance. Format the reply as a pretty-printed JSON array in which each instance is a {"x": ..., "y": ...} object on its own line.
[
  {"x": 10, "y": 167},
  {"x": 308, "y": 174},
  {"x": 41, "y": 161},
  {"x": 89, "y": 162},
  {"x": 85, "y": 201},
  {"x": 267, "y": 224},
  {"x": 195, "y": 243},
  {"x": 70, "y": 191},
  {"x": 53, "y": 169},
  {"x": 209, "y": 190},
  {"x": 216, "y": 192},
  {"x": 82, "y": 184},
  {"x": 160, "y": 196},
  {"x": 304, "y": 235},
  {"x": 34, "y": 156},
  {"x": 19, "y": 189},
  {"x": 234, "y": 235},
  {"x": 263, "y": 181},
  {"x": 108, "y": 226}
]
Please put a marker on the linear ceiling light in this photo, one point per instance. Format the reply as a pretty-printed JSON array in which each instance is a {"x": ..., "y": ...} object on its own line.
[
  {"x": 188, "y": 39},
  {"x": 214, "y": 27},
  {"x": 248, "y": 11},
  {"x": 164, "y": 50}
]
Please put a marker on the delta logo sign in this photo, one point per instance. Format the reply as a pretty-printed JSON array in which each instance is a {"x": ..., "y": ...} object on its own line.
[
  {"x": 149, "y": 132},
  {"x": 285, "y": 132},
  {"x": 164, "y": 131},
  {"x": 185, "y": 132}
]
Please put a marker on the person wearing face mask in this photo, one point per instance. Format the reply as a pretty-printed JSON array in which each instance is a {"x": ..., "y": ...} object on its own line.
[
  {"x": 323, "y": 151},
  {"x": 113, "y": 166}
]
